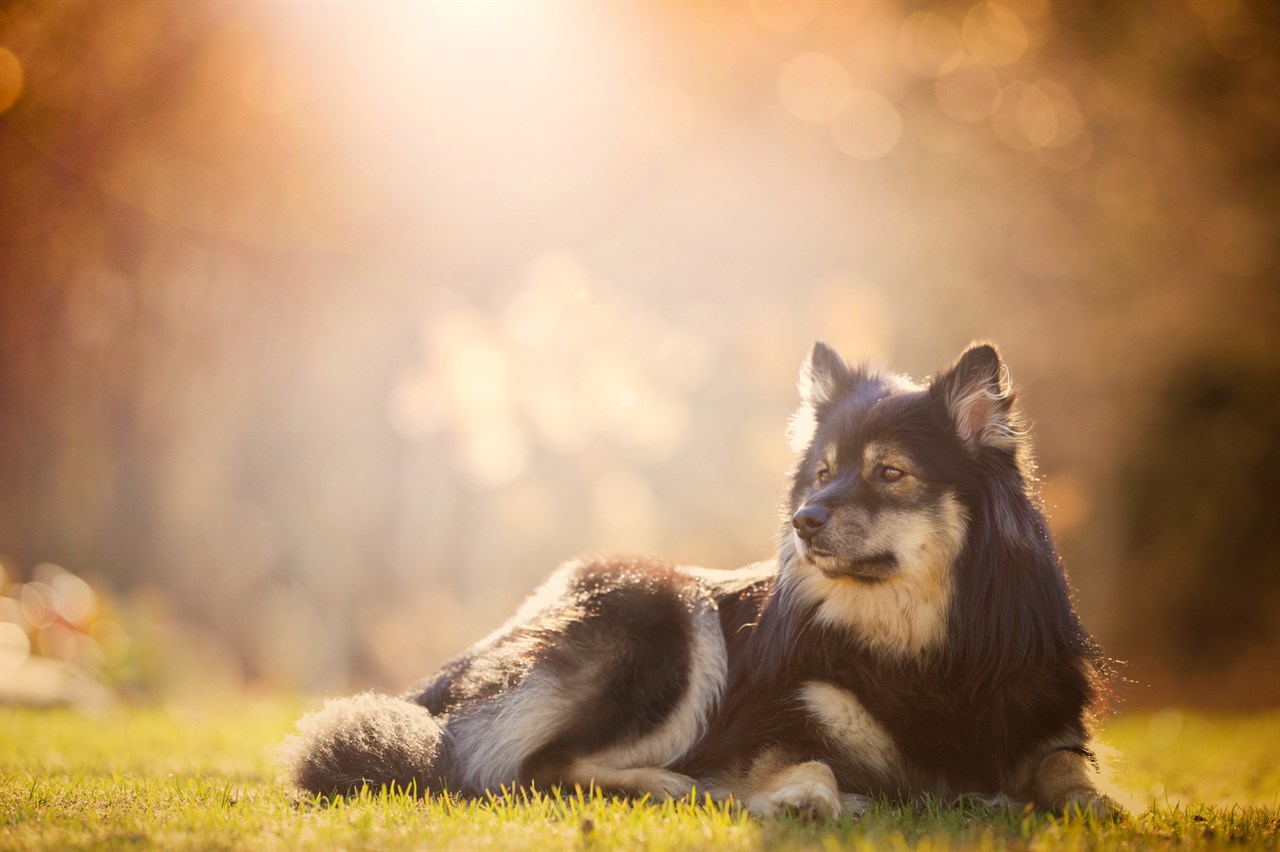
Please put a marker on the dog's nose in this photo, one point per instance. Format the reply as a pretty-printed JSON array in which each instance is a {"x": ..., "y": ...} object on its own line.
[{"x": 809, "y": 520}]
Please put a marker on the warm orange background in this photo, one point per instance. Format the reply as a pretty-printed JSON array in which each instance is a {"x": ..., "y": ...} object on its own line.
[{"x": 326, "y": 329}]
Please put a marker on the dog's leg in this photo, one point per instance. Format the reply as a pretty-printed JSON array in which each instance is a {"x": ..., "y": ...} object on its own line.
[
  {"x": 655, "y": 782},
  {"x": 775, "y": 787},
  {"x": 1066, "y": 781}
]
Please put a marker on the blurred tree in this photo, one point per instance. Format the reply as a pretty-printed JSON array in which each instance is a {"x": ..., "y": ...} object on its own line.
[{"x": 1204, "y": 497}]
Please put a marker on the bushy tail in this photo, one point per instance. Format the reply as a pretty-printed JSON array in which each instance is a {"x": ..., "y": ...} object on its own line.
[{"x": 365, "y": 739}]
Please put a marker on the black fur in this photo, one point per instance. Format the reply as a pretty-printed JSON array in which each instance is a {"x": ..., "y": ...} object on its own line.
[{"x": 1014, "y": 669}]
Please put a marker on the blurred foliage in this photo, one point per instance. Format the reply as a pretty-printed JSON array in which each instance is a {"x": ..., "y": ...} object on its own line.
[
  {"x": 1204, "y": 543},
  {"x": 327, "y": 329},
  {"x": 65, "y": 641}
]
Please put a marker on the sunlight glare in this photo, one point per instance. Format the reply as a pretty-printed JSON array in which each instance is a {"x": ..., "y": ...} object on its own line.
[{"x": 783, "y": 16}]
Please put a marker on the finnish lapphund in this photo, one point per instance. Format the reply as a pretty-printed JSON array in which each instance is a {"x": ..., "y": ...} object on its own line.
[{"x": 913, "y": 637}]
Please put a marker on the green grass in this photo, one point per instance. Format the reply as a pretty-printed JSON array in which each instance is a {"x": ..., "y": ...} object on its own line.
[{"x": 179, "y": 780}]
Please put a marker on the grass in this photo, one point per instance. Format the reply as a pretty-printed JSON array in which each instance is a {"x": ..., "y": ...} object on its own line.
[{"x": 183, "y": 780}]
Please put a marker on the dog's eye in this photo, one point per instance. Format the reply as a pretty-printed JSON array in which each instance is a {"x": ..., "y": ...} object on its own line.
[
  {"x": 824, "y": 476},
  {"x": 891, "y": 474}
]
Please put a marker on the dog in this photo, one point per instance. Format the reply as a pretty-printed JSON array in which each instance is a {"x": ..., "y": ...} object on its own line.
[{"x": 913, "y": 637}]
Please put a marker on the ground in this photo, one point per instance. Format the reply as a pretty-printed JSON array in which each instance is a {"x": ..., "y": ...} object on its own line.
[{"x": 186, "y": 779}]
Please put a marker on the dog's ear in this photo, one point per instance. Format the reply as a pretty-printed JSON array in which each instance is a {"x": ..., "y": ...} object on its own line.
[
  {"x": 822, "y": 375},
  {"x": 977, "y": 395}
]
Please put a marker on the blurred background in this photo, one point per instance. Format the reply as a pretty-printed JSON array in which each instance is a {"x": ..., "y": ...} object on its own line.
[{"x": 327, "y": 329}]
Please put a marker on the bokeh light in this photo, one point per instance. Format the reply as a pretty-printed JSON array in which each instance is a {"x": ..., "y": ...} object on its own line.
[
  {"x": 868, "y": 127},
  {"x": 969, "y": 93},
  {"x": 994, "y": 34},
  {"x": 814, "y": 87}
]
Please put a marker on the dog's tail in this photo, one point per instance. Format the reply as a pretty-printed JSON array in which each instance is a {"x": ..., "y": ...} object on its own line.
[{"x": 367, "y": 739}]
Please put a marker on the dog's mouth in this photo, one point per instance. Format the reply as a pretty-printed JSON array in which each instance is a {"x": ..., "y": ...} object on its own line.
[{"x": 873, "y": 568}]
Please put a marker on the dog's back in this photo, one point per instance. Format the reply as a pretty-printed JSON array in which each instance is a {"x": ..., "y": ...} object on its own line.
[{"x": 606, "y": 676}]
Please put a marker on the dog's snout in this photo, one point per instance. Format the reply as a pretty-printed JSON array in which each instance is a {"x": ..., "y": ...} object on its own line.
[{"x": 809, "y": 520}]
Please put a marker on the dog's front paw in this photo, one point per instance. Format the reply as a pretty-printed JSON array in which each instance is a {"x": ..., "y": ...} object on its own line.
[
  {"x": 807, "y": 790},
  {"x": 995, "y": 801},
  {"x": 663, "y": 784},
  {"x": 1088, "y": 802},
  {"x": 854, "y": 804}
]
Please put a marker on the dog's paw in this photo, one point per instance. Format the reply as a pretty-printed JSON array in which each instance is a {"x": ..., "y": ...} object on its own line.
[
  {"x": 662, "y": 784},
  {"x": 807, "y": 791},
  {"x": 804, "y": 799},
  {"x": 1089, "y": 803},
  {"x": 995, "y": 801},
  {"x": 854, "y": 804}
]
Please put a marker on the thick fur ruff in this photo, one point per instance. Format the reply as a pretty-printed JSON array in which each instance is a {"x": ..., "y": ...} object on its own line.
[{"x": 914, "y": 636}]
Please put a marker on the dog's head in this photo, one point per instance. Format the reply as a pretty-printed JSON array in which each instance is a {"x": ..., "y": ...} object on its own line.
[{"x": 883, "y": 494}]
